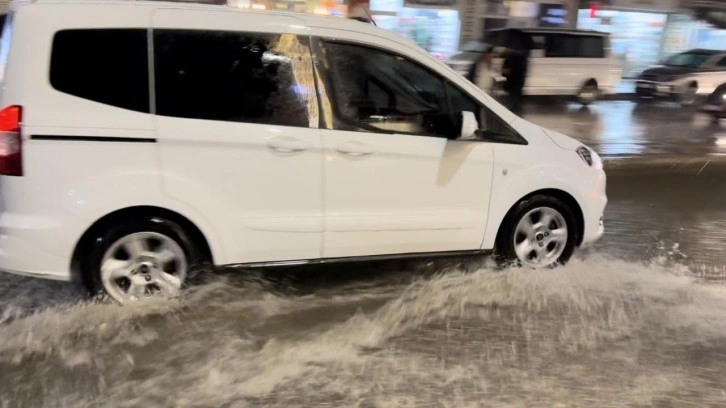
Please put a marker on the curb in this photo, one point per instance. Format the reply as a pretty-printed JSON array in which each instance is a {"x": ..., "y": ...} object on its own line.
[
  {"x": 677, "y": 163},
  {"x": 547, "y": 98}
]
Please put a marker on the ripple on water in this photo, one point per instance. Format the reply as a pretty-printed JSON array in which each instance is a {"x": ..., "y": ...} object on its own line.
[{"x": 599, "y": 332}]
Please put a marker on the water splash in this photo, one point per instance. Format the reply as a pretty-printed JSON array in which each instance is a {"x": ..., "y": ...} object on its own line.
[{"x": 599, "y": 332}]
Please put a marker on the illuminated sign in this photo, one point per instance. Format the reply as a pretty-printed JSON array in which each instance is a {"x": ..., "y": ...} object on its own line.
[{"x": 552, "y": 15}]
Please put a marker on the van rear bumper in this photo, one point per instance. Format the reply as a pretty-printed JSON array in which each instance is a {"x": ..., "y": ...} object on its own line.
[{"x": 24, "y": 248}]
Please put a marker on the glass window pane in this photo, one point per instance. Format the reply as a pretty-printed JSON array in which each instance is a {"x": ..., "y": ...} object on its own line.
[
  {"x": 377, "y": 91},
  {"x": 235, "y": 77},
  {"x": 109, "y": 66}
]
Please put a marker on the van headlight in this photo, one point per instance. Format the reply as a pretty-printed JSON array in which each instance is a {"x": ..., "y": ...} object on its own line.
[
  {"x": 585, "y": 154},
  {"x": 590, "y": 157}
]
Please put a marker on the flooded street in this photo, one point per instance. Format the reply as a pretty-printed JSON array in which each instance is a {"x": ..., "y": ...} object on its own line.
[{"x": 635, "y": 321}]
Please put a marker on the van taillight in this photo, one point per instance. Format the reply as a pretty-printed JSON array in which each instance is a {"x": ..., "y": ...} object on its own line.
[{"x": 11, "y": 152}]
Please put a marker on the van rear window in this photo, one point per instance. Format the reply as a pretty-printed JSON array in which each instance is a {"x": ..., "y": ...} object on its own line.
[
  {"x": 7, "y": 31},
  {"x": 109, "y": 66}
]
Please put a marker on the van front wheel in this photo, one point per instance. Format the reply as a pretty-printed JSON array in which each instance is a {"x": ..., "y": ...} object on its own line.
[{"x": 539, "y": 232}]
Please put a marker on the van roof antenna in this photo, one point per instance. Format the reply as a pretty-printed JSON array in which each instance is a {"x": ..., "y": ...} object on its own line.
[{"x": 370, "y": 16}]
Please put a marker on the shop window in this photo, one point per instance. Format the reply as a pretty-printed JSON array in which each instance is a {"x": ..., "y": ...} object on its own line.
[{"x": 235, "y": 77}]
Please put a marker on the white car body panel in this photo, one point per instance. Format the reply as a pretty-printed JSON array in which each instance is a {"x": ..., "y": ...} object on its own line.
[
  {"x": 252, "y": 203},
  {"x": 706, "y": 78}
]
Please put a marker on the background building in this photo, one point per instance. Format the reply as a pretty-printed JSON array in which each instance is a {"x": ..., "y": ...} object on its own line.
[{"x": 643, "y": 32}]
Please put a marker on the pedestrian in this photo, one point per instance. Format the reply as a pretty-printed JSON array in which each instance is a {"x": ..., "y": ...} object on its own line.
[
  {"x": 481, "y": 73},
  {"x": 514, "y": 70}
]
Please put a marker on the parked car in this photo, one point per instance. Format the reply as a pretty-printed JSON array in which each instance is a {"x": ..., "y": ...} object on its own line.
[
  {"x": 685, "y": 77},
  {"x": 715, "y": 103},
  {"x": 139, "y": 140},
  {"x": 566, "y": 62}
]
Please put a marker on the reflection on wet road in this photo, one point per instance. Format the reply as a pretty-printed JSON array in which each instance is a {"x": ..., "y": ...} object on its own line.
[
  {"x": 623, "y": 325},
  {"x": 620, "y": 128}
]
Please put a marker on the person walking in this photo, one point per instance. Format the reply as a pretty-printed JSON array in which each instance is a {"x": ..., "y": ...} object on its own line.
[
  {"x": 514, "y": 70},
  {"x": 481, "y": 73}
]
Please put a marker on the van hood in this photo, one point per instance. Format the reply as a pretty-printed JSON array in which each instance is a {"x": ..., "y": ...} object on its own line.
[
  {"x": 561, "y": 140},
  {"x": 666, "y": 70}
]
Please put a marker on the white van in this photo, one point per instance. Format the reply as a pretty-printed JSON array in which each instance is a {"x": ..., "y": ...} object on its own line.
[
  {"x": 140, "y": 139},
  {"x": 566, "y": 62}
]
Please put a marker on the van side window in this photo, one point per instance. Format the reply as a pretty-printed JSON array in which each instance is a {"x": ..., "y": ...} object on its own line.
[
  {"x": 108, "y": 66},
  {"x": 499, "y": 130},
  {"x": 235, "y": 77},
  {"x": 575, "y": 46},
  {"x": 378, "y": 91}
]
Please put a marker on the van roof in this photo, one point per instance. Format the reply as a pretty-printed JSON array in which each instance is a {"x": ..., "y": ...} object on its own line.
[
  {"x": 218, "y": 5},
  {"x": 308, "y": 19}
]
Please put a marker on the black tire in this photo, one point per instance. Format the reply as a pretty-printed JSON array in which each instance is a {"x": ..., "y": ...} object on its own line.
[
  {"x": 91, "y": 261},
  {"x": 588, "y": 94},
  {"x": 505, "y": 251}
]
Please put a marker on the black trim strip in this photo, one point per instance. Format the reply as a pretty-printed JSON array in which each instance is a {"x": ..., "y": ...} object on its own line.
[
  {"x": 352, "y": 259},
  {"x": 73, "y": 138}
]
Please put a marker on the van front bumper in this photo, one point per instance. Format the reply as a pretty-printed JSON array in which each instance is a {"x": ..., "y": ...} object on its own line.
[
  {"x": 664, "y": 90},
  {"x": 594, "y": 210}
]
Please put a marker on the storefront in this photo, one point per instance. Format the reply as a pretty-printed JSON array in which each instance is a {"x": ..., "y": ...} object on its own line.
[
  {"x": 433, "y": 24},
  {"x": 443, "y": 27},
  {"x": 683, "y": 32},
  {"x": 643, "y": 32},
  {"x": 479, "y": 16},
  {"x": 636, "y": 37}
]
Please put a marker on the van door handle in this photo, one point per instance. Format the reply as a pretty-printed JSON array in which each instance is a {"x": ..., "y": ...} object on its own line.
[
  {"x": 354, "y": 149},
  {"x": 355, "y": 154},
  {"x": 286, "y": 145}
]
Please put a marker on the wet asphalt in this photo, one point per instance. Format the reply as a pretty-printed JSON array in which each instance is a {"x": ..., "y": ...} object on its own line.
[{"x": 637, "y": 320}]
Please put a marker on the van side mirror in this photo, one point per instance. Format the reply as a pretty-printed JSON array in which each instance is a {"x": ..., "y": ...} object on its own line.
[{"x": 469, "y": 126}]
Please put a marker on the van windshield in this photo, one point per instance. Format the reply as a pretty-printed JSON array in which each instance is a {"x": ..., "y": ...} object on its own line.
[{"x": 688, "y": 59}]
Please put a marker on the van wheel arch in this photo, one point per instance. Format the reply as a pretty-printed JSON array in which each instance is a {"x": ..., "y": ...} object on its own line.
[
  {"x": 559, "y": 194},
  {"x": 109, "y": 220}
]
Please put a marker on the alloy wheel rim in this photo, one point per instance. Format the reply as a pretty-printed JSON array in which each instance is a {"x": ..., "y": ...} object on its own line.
[
  {"x": 143, "y": 265},
  {"x": 540, "y": 237}
]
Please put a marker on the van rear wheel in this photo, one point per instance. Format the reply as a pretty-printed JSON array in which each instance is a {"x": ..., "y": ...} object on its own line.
[
  {"x": 146, "y": 257},
  {"x": 539, "y": 232}
]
